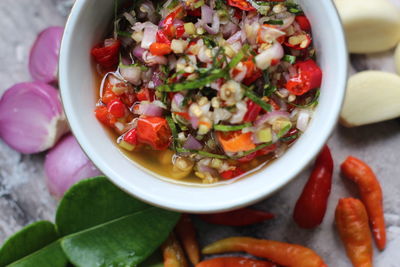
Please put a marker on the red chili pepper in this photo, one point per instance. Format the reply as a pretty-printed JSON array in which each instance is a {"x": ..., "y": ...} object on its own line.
[
  {"x": 187, "y": 235},
  {"x": 168, "y": 23},
  {"x": 131, "y": 137},
  {"x": 180, "y": 30},
  {"x": 234, "y": 262},
  {"x": 252, "y": 111},
  {"x": 106, "y": 54},
  {"x": 194, "y": 13},
  {"x": 160, "y": 49},
  {"x": 161, "y": 37},
  {"x": 252, "y": 73},
  {"x": 231, "y": 173},
  {"x": 292, "y": 135},
  {"x": 241, "y": 4},
  {"x": 104, "y": 116},
  {"x": 116, "y": 108},
  {"x": 300, "y": 46},
  {"x": 128, "y": 99},
  {"x": 311, "y": 207},
  {"x": 285, "y": 254},
  {"x": 240, "y": 217},
  {"x": 303, "y": 22},
  {"x": 184, "y": 115},
  {"x": 370, "y": 189},
  {"x": 261, "y": 152},
  {"x": 145, "y": 94},
  {"x": 153, "y": 131},
  {"x": 309, "y": 77}
]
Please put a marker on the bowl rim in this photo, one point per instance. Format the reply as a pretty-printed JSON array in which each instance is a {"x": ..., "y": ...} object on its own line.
[{"x": 126, "y": 186}]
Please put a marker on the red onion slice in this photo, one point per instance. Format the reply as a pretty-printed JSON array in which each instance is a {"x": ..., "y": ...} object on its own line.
[
  {"x": 43, "y": 58},
  {"x": 132, "y": 74},
  {"x": 149, "y": 35},
  {"x": 149, "y": 108},
  {"x": 66, "y": 164},
  {"x": 236, "y": 37},
  {"x": 31, "y": 117},
  {"x": 192, "y": 143}
]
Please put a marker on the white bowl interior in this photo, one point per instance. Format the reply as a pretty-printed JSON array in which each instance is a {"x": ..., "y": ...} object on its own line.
[{"x": 87, "y": 25}]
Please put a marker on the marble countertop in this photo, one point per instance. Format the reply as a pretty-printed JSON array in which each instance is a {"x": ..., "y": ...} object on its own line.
[{"x": 24, "y": 197}]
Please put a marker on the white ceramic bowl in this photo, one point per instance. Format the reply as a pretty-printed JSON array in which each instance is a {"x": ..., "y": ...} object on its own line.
[{"x": 88, "y": 23}]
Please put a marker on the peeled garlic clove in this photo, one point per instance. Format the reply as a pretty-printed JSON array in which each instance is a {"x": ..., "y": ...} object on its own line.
[
  {"x": 397, "y": 58},
  {"x": 372, "y": 96},
  {"x": 370, "y": 25}
]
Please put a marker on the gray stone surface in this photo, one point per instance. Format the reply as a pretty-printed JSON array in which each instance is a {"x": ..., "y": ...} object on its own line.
[{"x": 24, "y": 197}]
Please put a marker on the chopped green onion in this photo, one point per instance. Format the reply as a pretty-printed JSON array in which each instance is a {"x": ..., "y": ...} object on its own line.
[
  {"x": 259, "y": 147},
  {"x": 284, "y": 130},
  {"x": 174, "y": 131},
  {"x": 289, "y": 138},
  {"x": 195, "y": 84},
  {"x": 269, "y": 90},
  {"x": 124, "y": 34},
  {"x": 275, "y": 22},
  {"x": 210, "y": 155},
  {"x": 314, "y": 101},
  {"x": 202, "y": 153},
  {"x": 295, "y": 11},
  {"x": 250, "y": 94},
  {"x": 289, "y": 58},
  {"x": 230, "y": 128},
  {"x": 236, "y": 59}
]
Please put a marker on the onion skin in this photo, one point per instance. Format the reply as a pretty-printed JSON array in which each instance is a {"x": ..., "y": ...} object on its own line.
[
  {"x": 31, "y": 117},
  {"x": 43, "y": 58},
  {"x": 66, "y": 164}
]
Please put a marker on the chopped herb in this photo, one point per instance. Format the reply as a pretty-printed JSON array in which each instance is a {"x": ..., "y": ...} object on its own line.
[
  {"x": 238, "y": 57},
  {"x": 208, "y": 41},
  {"x": 314, "y": 101},
  {"x": 173, "y": 4},
  {"x": 230, "y": 128},
  {"x": 250, "y": 94},
  {"x": 289, "y": 138},
  {"x": 252, "y": 150},
  {"x": 275, "y": 22},
  {"x": 215, "y": 74},
  {"x": 174, "y": 131},
  {"x": 124, "y": 34},
  {"x": 269, "y": 89},
  {"x": 289, "y": 58},
  {"x": 210, "y": 155},
  {"x": 201, "y": 153},
  {"x": 284, "y": 130}
]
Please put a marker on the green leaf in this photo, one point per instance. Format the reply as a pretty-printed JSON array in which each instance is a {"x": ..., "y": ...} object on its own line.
[
  {"x": 92, "y": 202},
  {"x": 123, "y": 242},
  {"x": 50, "y": 256},
  {"x": 30, "y": 245},
  {"x": 101, "y": 226}
]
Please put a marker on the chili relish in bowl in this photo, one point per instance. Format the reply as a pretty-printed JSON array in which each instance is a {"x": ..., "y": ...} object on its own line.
[{"x": 207, "y": 89}]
